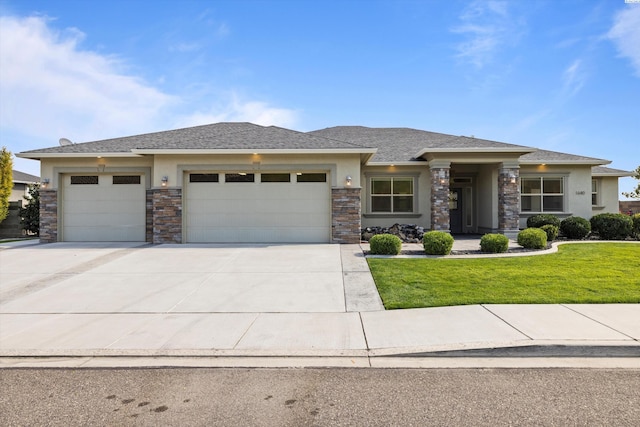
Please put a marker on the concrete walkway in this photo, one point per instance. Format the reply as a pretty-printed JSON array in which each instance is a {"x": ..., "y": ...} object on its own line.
[{"x": 64, "y": 313}]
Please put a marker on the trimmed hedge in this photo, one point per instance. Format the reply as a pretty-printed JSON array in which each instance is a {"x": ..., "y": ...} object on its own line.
[
  {"x": 575, "y": 227},
  {"x": 494, "y": 243},
  {"x": 385, "y": 244},
  {"x": 537, "y": 221},
  {"x": 635, "y": 219},
  {"x": 437, "y": 243},
  {"x": 610, "y": 226},
  {"x": 532, "y": 238},
  {"x": 551, "y": 230}
]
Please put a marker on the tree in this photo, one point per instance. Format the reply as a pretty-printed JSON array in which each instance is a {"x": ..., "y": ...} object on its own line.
[
  {"x": 30, "y": 214},
  {"x": 6, "y": 181},
  {"x": 635, "y": 194}
]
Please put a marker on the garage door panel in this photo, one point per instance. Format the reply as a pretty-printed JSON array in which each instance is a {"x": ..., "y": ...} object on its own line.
[
  {"x": 258, "y": 212},
  {"x": 104, "y": 212}
]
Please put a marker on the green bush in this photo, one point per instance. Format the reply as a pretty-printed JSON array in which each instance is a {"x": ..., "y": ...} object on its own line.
[
  {"x": 575, "y": 227},
  {"x": 385, "y": 244},
  {"x": 551, "y": 230},
  {"x": 537, "y": 221},
  {"x": 494, "y": 243},
  {"x": 437, "y": 243},
  {"x": 610, "y": 226},
  {"x": 532, "y": 238},
  {"x": 636, "y": 225}
]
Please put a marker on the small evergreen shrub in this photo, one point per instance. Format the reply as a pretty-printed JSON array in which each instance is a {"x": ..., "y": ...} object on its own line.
[
  {"x": 610, "y": 226},
  {"x": 532, "y": 238},
  {"x": 437, "y": 243},
  {"x": 385, "y": 244},
  {"x": 494, "y": 243},
  {"x": 635, "y": 219},
  {"x": 537, "y": 221},
  {"x": 575, "y": 227},
  {"x": 551, "y": 230}
]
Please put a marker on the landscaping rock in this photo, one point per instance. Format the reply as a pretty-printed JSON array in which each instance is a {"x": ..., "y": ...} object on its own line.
[{"x": 408, "y": 233}]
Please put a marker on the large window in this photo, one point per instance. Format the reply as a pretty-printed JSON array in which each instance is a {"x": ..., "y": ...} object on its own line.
[
  {"x": 542, "y": 194},
  {"x": 392, "y": 195}
]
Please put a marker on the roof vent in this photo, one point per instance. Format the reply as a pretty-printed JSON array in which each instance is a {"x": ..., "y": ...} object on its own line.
[{"x": 65, "y": 141}]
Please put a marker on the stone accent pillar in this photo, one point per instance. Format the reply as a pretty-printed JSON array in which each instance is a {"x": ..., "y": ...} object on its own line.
[
  {"x": 508, "y": 199},
  {"x": 48, "y": 216},
  {"x": 167, "y": 215},
  {"x": 440, "y": 195},
  {"x": 345, "y": 215},
  {"x": 148, "y": 235}
]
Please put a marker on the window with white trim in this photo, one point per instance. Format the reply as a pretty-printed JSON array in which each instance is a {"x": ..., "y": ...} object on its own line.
[
  {"x": 392, "y": 195},
  {"x": 594, "y": 192},
  {"x": 542, "y": 194}
]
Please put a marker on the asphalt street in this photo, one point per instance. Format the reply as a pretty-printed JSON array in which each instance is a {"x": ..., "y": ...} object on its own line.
[{"x": 320, "y": 397}]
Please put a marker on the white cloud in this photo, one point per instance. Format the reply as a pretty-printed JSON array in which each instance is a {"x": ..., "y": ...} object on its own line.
[
  {"x": 237, "y": 110},
  {"x": 51, "y": 87},
  {"x": 625, "y": 34},
  {"x": 487, "y": 26},
  {"x": 574, "y": 78}
]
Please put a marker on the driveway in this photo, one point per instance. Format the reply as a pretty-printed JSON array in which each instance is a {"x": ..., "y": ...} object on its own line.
[{"x": 141, "y": 278}]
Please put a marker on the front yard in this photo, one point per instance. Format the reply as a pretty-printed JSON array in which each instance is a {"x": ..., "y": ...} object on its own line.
[{"x": 578, "y": 273}]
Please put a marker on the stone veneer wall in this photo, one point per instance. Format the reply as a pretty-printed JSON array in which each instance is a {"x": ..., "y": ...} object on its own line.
[
  {"x": 345, "y": 215},
  {"x": 440, "y": 199},
  {"x": 48, "y": 216},
  {"x": 148, "y": 235},
  {"x": 508, "y": 200},
  {"x": 167, "y": 215}
]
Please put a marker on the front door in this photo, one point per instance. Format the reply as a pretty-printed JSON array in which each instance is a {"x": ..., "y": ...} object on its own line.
[{"x": 455, "y": 210}]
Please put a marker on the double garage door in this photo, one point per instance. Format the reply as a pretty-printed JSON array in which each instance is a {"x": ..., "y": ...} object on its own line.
[
  {"x": 218, "y": 207},
  {"x": 257, "y": 207}
]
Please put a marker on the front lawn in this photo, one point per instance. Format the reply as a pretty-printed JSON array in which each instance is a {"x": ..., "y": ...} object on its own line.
[{"x": 578, "y": 273}]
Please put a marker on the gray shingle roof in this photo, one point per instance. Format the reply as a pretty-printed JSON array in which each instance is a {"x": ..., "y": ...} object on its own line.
[
  {"x": 602, "y": 170},
  {"x": 546, "y": 156},
  {"x": 214, "y": 136},
  {"x": 402, "y": 144},
  {"x": 24, "y": 177}
]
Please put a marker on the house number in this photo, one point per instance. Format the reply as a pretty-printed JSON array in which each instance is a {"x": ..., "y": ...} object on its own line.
[{"x": 581, "y": 193}]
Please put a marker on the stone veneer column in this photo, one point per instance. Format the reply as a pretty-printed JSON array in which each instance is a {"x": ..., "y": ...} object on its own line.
[
  {"x": 148, "y": 235},
  {"x": 440, "y": 195},
  {"x": 345, "y": 215},
  {"x": 48, "y": 216},
  {"x": 508, "y": 199},
  {"x": 167, "y": 215}
]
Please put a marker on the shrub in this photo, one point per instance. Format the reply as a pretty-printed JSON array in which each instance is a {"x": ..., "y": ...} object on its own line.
[
  {"x": 532, "y": 238},
  {"x": 575, "y": 227},
  {"x": 494, "y": 243},
  {"x": 636, "y": 225},
  {"x": 539, "y": 220},
  {"x": 610, "y": 226},
  {"x": 437, "y": 243},
  {"x": 385, "y": 244},
  {"x": 551, "y": 230}
]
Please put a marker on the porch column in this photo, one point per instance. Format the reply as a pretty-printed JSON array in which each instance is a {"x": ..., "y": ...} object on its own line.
[
  {"x": 509, "y": 199},
  {"x": 439, "y": 170}
]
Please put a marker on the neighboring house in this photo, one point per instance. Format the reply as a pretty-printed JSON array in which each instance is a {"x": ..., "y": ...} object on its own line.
[
  {"x": 240, "y": 182},
  {"x": 10, "y": 227}
]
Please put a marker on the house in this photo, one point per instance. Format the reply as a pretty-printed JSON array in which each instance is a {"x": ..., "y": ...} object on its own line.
[
  {"x": 10, "y": 228},
  {"x": 241, "y": 182}
]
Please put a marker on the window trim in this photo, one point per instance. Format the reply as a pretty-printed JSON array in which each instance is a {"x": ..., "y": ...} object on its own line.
[
  {"x": 596, "y": 202},
  {"x": 541, "y": 177},
  {"x": 415, "y": 213}
]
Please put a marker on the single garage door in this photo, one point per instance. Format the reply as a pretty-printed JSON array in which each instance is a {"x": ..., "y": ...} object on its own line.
[
  {"x": 103, "y": 208},
  {"x": 258, "y": 207}
]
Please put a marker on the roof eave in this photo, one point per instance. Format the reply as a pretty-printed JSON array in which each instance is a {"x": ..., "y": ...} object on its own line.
[
  {"x": 491, "y": 150},
  {"x": 258, "y": 151},
  {"x": 38, "y": 156},
  {"x": 594, "y": 162}
]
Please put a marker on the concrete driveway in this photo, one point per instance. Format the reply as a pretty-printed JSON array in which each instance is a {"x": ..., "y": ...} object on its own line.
[{"x": 135, "y": 278}]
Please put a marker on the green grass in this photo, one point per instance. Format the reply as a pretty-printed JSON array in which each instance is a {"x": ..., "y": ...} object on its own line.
[{"x": 578, "y": 273}]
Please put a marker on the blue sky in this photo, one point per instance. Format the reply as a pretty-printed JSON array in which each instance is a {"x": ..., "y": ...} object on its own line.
[{"x": 559, "y": 75}]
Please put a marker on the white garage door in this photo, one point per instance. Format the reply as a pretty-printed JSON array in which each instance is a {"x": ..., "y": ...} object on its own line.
[
  {"x": 258, "y": 207},
  {"x": 103, "y": 208}
]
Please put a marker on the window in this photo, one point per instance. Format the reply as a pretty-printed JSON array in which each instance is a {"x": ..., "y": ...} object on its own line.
[
  {"x": 203, "y": 177},
  {"x": 392, "y": 195},
  {"x": 84, "y": 180},
  {"x": 311, "y": 177},
  {"x": 239, "y": 177},
  {"x": 126, "y": 179},
  {"x": 275, "y": 177},
  {"x": 594, "y": 192},
  {"x": 542, "y": 194}
]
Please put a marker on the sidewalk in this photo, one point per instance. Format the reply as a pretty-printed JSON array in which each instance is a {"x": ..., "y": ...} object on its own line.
[{"x": 364, "y": 335}]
